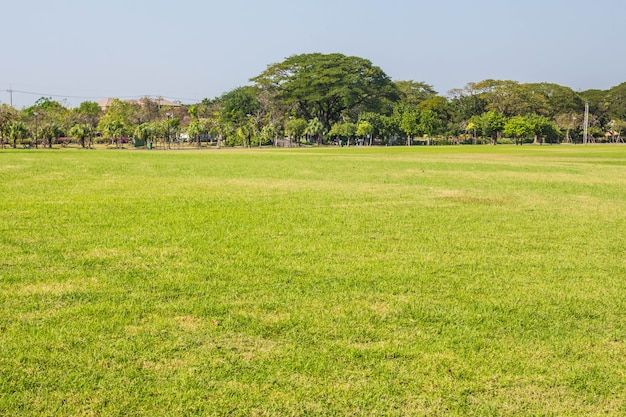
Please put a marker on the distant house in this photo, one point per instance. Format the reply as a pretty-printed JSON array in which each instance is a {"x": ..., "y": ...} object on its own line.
[{"x": 106, "y": 103}]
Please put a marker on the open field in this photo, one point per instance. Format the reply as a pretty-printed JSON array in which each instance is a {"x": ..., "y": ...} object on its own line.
[{"x": 391, "y": 281}]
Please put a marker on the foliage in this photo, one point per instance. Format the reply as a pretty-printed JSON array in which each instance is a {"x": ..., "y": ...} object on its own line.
[
  {"x": 410, "y": 122},
  {"x": 365, "y": 129},
  {"x": 344, "y": 131},
  {"x": 413, "y": 93},
  {"x": 430, "y": 124},
  {"x": 88, "y": 112},
  {"x": 336, "y": 89},
  {"x": 51, "y": 132},
  {"x": 616, "y": 102},
  {"x": 315, "y": 128},
  {"x": 116, "y": 122},
  {"x": 323, "y": 86},
  {"x": 245, "y": 131},
  {"x": 84, "y": 132},
  {"x": 239, "y": 104},
  {"x": 296, "y": 127},
  {"x": 267, "y": 135},
  {"x": 519, "y": 128},
  {"x": 7, "y": 114},
  {"x": 489, "y": 124},
  {"x": 543, "y": 128},
  {"x": 197, "y": 128},
  {"x": 16, "y": 129}
]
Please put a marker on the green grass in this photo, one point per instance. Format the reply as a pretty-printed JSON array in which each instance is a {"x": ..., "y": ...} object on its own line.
[{"x": 391, "y": 281}]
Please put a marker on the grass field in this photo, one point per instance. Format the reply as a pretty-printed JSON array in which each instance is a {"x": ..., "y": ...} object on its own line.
[{"x": 445, "y": 281}]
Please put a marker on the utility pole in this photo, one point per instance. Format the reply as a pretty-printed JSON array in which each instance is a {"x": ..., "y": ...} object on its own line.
[
  {"x": 586, "y": 124},
  {"x": 36, "y": 114},
  {"x": 10, "y": 91},
  {"x": 169, "y": 125}
]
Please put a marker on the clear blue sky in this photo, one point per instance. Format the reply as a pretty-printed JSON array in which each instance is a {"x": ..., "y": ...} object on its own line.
[{"x": 192, "y": 49}]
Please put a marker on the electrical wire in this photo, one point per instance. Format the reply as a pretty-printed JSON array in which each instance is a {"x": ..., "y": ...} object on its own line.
[{"x": 194, "y": 100}]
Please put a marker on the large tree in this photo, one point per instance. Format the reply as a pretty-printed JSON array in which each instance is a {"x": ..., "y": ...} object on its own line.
[
  {"x": 510, "y": 98},
  {"x": 343, "y": 130},
  {"x": 238, "y": 105},
  {"x": 490, "y": 124},
  {"x": 7, "y": 115},
  {"x": 84, "y": 132},
  {"x": 16, "y": 129},
  {"x": 88, "y": 112},
  {"x": 295, "y": 129},
  {"x": 50, "y": 118},
  {"x": 616, "y": 99},
  {"x": 323, "y": 86},
  {"x": 413, "y": 93}
]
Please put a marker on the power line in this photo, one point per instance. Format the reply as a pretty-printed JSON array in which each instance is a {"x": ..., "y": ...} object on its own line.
[{"x": 11, "y": 91}]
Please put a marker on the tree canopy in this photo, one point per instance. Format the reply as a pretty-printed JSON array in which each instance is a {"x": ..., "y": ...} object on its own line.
[
  {"x": 317, "y": 97},
  {"x": 323, "y": 86}
]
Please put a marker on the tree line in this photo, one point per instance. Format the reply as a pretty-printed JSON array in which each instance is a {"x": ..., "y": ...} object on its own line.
[{"x": 331, "y": 99}]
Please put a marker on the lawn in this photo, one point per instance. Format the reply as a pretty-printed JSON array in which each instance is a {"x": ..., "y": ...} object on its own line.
[{"x": 387, "y": 281}]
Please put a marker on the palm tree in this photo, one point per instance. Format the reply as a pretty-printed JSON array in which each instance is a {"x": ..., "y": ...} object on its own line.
[
  {"x": 113, "y": 129},
  {"x": 145, "y": 132},
  {"x": 51, "y": 132},
  {"x": 84, "y": 132},
  {"x": 315, "y": 128},
  {"x": 16, "y": 129}
]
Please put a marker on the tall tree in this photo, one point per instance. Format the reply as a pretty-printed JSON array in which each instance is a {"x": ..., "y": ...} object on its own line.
[
  {"x": 569, "y": 122},
  {"x": 295, "y": 128},
  {"x": 323, "y": 86},
  {"x": 511, "y": 98},
  {"x": 467, "y": 102},
  {"x": 616, "y": 102},
  {"x": 238, "y": 105},
  {"x": 543, "y": 128},
  {"x": 410, "y": 123},
  {"x": 519, "y": 128},
  {"x": 267, "y": 135},
  {"x": 50, "y": 118},
  {"x": 51, "y": 132},
  {"x": 87, "y": 112},
  {"x": 413, "y": 93},
  {"x": 84, "y": 132},
  {"x": 196, "y": 128},
  {"x": 375, "y": 120},
  {"x": 343, "y": 130},
  {"x": 365, "y": 130},
  {"x": 315, "y": 128},
  {"x": 114, "y": 129},
  {"x": 7, "y": 115},
  {"x": 490, "y": 124},
  {"x": 16, "y": 129},
  {"x": 116, "y": 122},
  {"x": 430, "y": 124},
  {"x": 559, "y": 99}
]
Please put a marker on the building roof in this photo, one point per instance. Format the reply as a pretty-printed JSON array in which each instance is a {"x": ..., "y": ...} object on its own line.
[{"x": 106, "y": 103}]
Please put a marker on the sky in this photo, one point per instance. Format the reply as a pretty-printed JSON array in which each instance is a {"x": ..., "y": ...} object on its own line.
[{"x": 187, "y": 50}]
